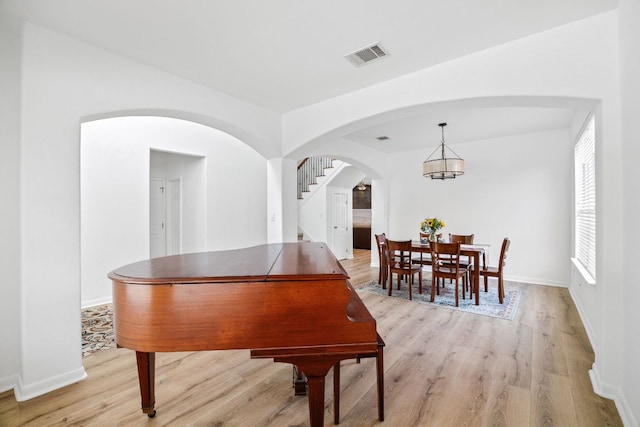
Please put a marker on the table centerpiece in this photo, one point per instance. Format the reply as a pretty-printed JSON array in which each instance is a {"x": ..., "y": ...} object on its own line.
[{"x": 429, "y": 229}]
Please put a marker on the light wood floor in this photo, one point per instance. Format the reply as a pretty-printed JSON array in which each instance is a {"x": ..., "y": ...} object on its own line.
[{"x": 442, "y": 368}]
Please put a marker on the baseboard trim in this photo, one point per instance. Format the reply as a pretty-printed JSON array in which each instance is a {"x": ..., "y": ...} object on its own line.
[
  {"x": 535, "y": 281},
  {"x": 614, "y": 393},
  {"x": 96, "y": 301},
  {"x": 29, "y": 391},
  {"x": 7, "y": 383},
  {"x": 601, "y": 388}
]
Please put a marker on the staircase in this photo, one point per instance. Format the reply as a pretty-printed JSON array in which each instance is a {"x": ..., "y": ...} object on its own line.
[{"x": 309, "y": 170}]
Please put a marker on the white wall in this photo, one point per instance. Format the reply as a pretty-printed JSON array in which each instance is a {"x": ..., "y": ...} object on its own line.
[
  {"x": 282, "y": 207},
  {"x": 115, "y": 158},
  {"x": 10, "y": 212},
  {"x": 628, "y": 14},
  {"x": 312, "y": 215},
  {"x": 315, "y": 209},
  {"x": 517, "y": 187},
  {"x": 573, "y": 66},
  {"x": 63, "y": 83}
]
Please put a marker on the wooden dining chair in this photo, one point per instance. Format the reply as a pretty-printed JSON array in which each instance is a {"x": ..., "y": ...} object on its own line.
[
  {"x": 497, "y": 271},
  {"x": 381, "y": 242},
  {"x": 399, "y": 262},
  {"x": 463, "y": 239},
  {"x": 446, "y": 265},
  {"x": 423, "y": 258}
]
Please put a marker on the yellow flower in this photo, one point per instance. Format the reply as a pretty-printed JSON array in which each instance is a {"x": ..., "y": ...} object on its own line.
[{"x": 431, "y": 225}]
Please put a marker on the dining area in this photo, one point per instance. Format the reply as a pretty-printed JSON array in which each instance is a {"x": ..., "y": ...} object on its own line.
[{"x": 431, "y": 260}]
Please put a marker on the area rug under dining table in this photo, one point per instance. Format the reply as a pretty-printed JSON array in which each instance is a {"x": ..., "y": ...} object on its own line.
[{"x": 489, "y": 303}]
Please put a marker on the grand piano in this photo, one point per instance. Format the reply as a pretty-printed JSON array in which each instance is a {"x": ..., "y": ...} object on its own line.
[{"x": 289, "y": 301}]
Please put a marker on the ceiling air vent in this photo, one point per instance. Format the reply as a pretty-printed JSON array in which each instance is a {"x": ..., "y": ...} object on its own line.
[{"x": 366, "y": 55}]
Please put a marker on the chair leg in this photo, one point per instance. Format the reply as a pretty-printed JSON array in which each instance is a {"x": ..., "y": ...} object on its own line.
[
  {"x": 385, "y": 276},
  {"x": 382, "y": 276},
  {"x": 500, "y": 289},
  {"x": 434, "y": 286},
  {"x": 464, "y": 286},
  {"x": 457, "y": 299}
]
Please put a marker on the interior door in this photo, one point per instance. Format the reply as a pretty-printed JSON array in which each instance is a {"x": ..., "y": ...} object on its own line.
[
  {"x": 157, "y": 218},
  {"x": 340, "y": 226}
]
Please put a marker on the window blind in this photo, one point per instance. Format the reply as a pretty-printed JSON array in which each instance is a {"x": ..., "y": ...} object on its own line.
[{"x": 585, "y": 197}]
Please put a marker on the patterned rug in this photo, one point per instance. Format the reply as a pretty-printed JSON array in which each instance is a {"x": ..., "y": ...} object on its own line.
[
  {"x": 97, "y": 329},
  {"x": 489, "y": 304}
]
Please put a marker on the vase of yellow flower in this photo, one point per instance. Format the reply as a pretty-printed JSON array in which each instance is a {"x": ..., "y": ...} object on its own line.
[{"x": 431, "y": 226}]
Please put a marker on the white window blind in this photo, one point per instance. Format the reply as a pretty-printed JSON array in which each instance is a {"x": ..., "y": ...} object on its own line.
[{"x": 585, "y": 196}]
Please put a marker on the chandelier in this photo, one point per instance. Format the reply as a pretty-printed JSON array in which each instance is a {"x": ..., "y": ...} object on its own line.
[
  {"x": 362, "y": 186},
  {"x": 439, "y": 166}
]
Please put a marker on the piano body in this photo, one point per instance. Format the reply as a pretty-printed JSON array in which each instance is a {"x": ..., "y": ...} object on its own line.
[{"x": 290, "y": 301}]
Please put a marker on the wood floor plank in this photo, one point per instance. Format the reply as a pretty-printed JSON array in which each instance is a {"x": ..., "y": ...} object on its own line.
[
  {"x": 442, "y": 368},
  {"x": 552, "y": 400}
]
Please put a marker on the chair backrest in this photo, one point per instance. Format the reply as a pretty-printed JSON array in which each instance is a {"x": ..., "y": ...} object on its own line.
[
  {"x": 465, "y": 239},
  {"x": 380, "y": 242},
  {"x": 503, "y": 253},
  {"x": 399, "y": 253},
  {"x": 445, "y": 253}
]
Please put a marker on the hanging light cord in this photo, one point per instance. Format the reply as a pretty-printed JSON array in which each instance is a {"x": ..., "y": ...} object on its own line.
[{"x": 441, "y": 147}]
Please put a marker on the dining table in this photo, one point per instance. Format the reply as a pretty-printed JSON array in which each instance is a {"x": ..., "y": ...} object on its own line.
[{"x": 474, "y": 252}]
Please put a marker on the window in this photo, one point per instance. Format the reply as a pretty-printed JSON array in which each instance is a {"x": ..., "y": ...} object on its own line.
[{"x": 585, "y": 196}]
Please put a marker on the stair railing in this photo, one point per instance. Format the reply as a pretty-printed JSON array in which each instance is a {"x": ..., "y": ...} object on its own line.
[{"x": 309, "y": 169}]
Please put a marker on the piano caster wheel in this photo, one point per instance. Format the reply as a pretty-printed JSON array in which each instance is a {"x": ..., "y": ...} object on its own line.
[{"x": 151, "y": 414}]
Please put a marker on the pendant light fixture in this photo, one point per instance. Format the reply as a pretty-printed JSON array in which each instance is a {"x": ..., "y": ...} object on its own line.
[{"x": 439, "y": 166}]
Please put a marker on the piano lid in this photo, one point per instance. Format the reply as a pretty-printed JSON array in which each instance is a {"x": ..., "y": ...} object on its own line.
[
  {"x": 277, "y": 261},
  {"x": 306, "y": 261}
]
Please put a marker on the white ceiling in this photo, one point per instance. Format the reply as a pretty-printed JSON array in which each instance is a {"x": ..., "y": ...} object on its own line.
[
  {"x": 286, "y": 54},
  {"x": 463, "y": 125}
]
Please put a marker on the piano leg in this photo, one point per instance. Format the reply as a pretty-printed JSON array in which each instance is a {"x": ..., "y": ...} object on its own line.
[
  {"x": 315, "y": 368},
  {"x": 146, "y": 377},
  {"x": 336, "y": 393},
  {"x": 316, "y": 399}
]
